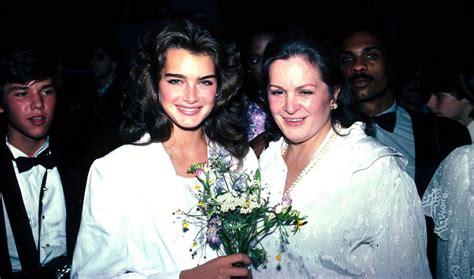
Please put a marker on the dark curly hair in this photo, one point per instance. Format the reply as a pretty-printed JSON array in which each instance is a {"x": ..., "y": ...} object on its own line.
[
  {"x": 143, "y": 113},
  {"x": 304, "y": 44}
]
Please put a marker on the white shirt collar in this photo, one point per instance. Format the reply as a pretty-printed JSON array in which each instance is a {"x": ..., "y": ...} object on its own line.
[
  {"x": 392, "y": 108},
  {"x": 18, "y": 153}
]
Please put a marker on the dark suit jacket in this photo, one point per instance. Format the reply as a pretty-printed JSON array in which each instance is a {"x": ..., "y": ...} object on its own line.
[
  {"x": 10, "y": 190},
  {"x": 435, "y": 137},
  {"x": 103, "y": 117}
]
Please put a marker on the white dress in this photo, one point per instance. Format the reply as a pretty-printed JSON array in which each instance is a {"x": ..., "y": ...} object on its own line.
[
  {"x": 364, "y": 214},
  {"x": 449, "y": 200},
  {"x": 128, "y": 228}
]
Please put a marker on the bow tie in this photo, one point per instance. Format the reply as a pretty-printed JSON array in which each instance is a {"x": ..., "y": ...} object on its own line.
[
  {"x": 386, "y": 121},
  {"x": 44, "y": 158}
]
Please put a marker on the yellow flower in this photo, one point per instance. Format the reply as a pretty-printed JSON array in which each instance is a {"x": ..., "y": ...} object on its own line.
[
  {"x": 299, "y": 224},
  {"x": 278, "y": 258},
  {"x": 247, "y": 203},
  {"x": 200, "y": 204},
  {"x": 197, "y": 187},
  {"x": 185, "y": 226}
]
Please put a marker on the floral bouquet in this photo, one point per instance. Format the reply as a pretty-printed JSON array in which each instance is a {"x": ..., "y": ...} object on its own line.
[{"x": 232, "y": 212}]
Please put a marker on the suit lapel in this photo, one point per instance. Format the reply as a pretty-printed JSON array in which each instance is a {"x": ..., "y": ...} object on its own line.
[
  {"x": 426, "y": 149},
  {"x": 72, "y": 181},
  {"x": 16, "y": 212}
]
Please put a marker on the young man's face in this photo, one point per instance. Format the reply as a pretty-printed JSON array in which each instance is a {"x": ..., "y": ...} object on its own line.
[{"x": 29, "y": 110}]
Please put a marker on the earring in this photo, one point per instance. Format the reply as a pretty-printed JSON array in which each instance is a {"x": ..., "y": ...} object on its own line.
[{"x": 333, "y": 106}]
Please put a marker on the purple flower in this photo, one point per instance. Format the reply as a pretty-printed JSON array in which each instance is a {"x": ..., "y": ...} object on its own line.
[
  {"x": 220, "y": 185},
  {"x": 239, "y": 183},
  {"x": 286, "y": 201},
  {"x": 213, "y": 229},
  {"x": 201, "y": 174},
  {"x": 220, "y": 160}
]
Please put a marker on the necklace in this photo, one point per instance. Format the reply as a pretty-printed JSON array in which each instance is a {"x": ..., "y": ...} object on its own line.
[{"x": 314, "y": 160}]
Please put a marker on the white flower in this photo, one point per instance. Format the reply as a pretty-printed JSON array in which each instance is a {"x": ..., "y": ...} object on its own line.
[
  {"x": 277, "y": 208},
  {"x": 250, "y": 204},
  {"x": 229, "y": 201}
]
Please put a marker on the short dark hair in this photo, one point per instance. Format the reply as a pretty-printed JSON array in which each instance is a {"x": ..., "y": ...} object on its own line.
[
  {"x": 316, "y": 52},
  {"x": 143, "y": 113},
  {"x": 389, "y": 51},
  {"x": 387, "y": 42},
  {"x": 455, "y": 80},
  {"x": 25, "y": 65},
  {"x": 111, "y": 45}
]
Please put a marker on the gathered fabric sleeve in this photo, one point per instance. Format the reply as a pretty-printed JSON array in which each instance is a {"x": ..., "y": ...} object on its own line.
[
  {"x": 363, "y": 211},
  {"x": 102, "y": 249},
  {"x": 399, "y": 242},
  {"x": 449, "y": 200},
  {"x": 101, "y": 241}
]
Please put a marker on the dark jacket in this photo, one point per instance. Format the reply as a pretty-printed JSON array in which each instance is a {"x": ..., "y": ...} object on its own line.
[
  {"x": 11, "y": 194},
  {"x": 102, "y": 118},
  {"x": 435, "y": 137}
]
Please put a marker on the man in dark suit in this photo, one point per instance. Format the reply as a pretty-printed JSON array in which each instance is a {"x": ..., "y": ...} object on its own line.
[
  {"x": 423, "y": 138},
  {"x": 101, "y": 107},
  {"x": 39, "y": 201}
]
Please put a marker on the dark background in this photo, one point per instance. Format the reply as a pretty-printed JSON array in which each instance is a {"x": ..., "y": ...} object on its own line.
[{"x": 422, "y": 30}]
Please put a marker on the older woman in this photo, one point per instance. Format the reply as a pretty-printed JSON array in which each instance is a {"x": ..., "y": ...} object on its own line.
[{"x": 364, "y": 213}]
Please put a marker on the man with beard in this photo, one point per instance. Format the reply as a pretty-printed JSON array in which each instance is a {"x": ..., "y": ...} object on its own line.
[{"x": 424, "y": 139}]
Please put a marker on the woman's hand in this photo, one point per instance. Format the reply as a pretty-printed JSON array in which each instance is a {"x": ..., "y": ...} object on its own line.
[{"x": 221, "y": 267}]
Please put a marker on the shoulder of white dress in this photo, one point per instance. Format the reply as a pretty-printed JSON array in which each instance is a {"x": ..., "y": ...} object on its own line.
[
  {"x": 461, "y": 151},
  {"x": 274, "y": 147},
  {"x": 366, "y": 149},
  {"x": 132, "y": 156},
  {"x": 269, "y": 157}
]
